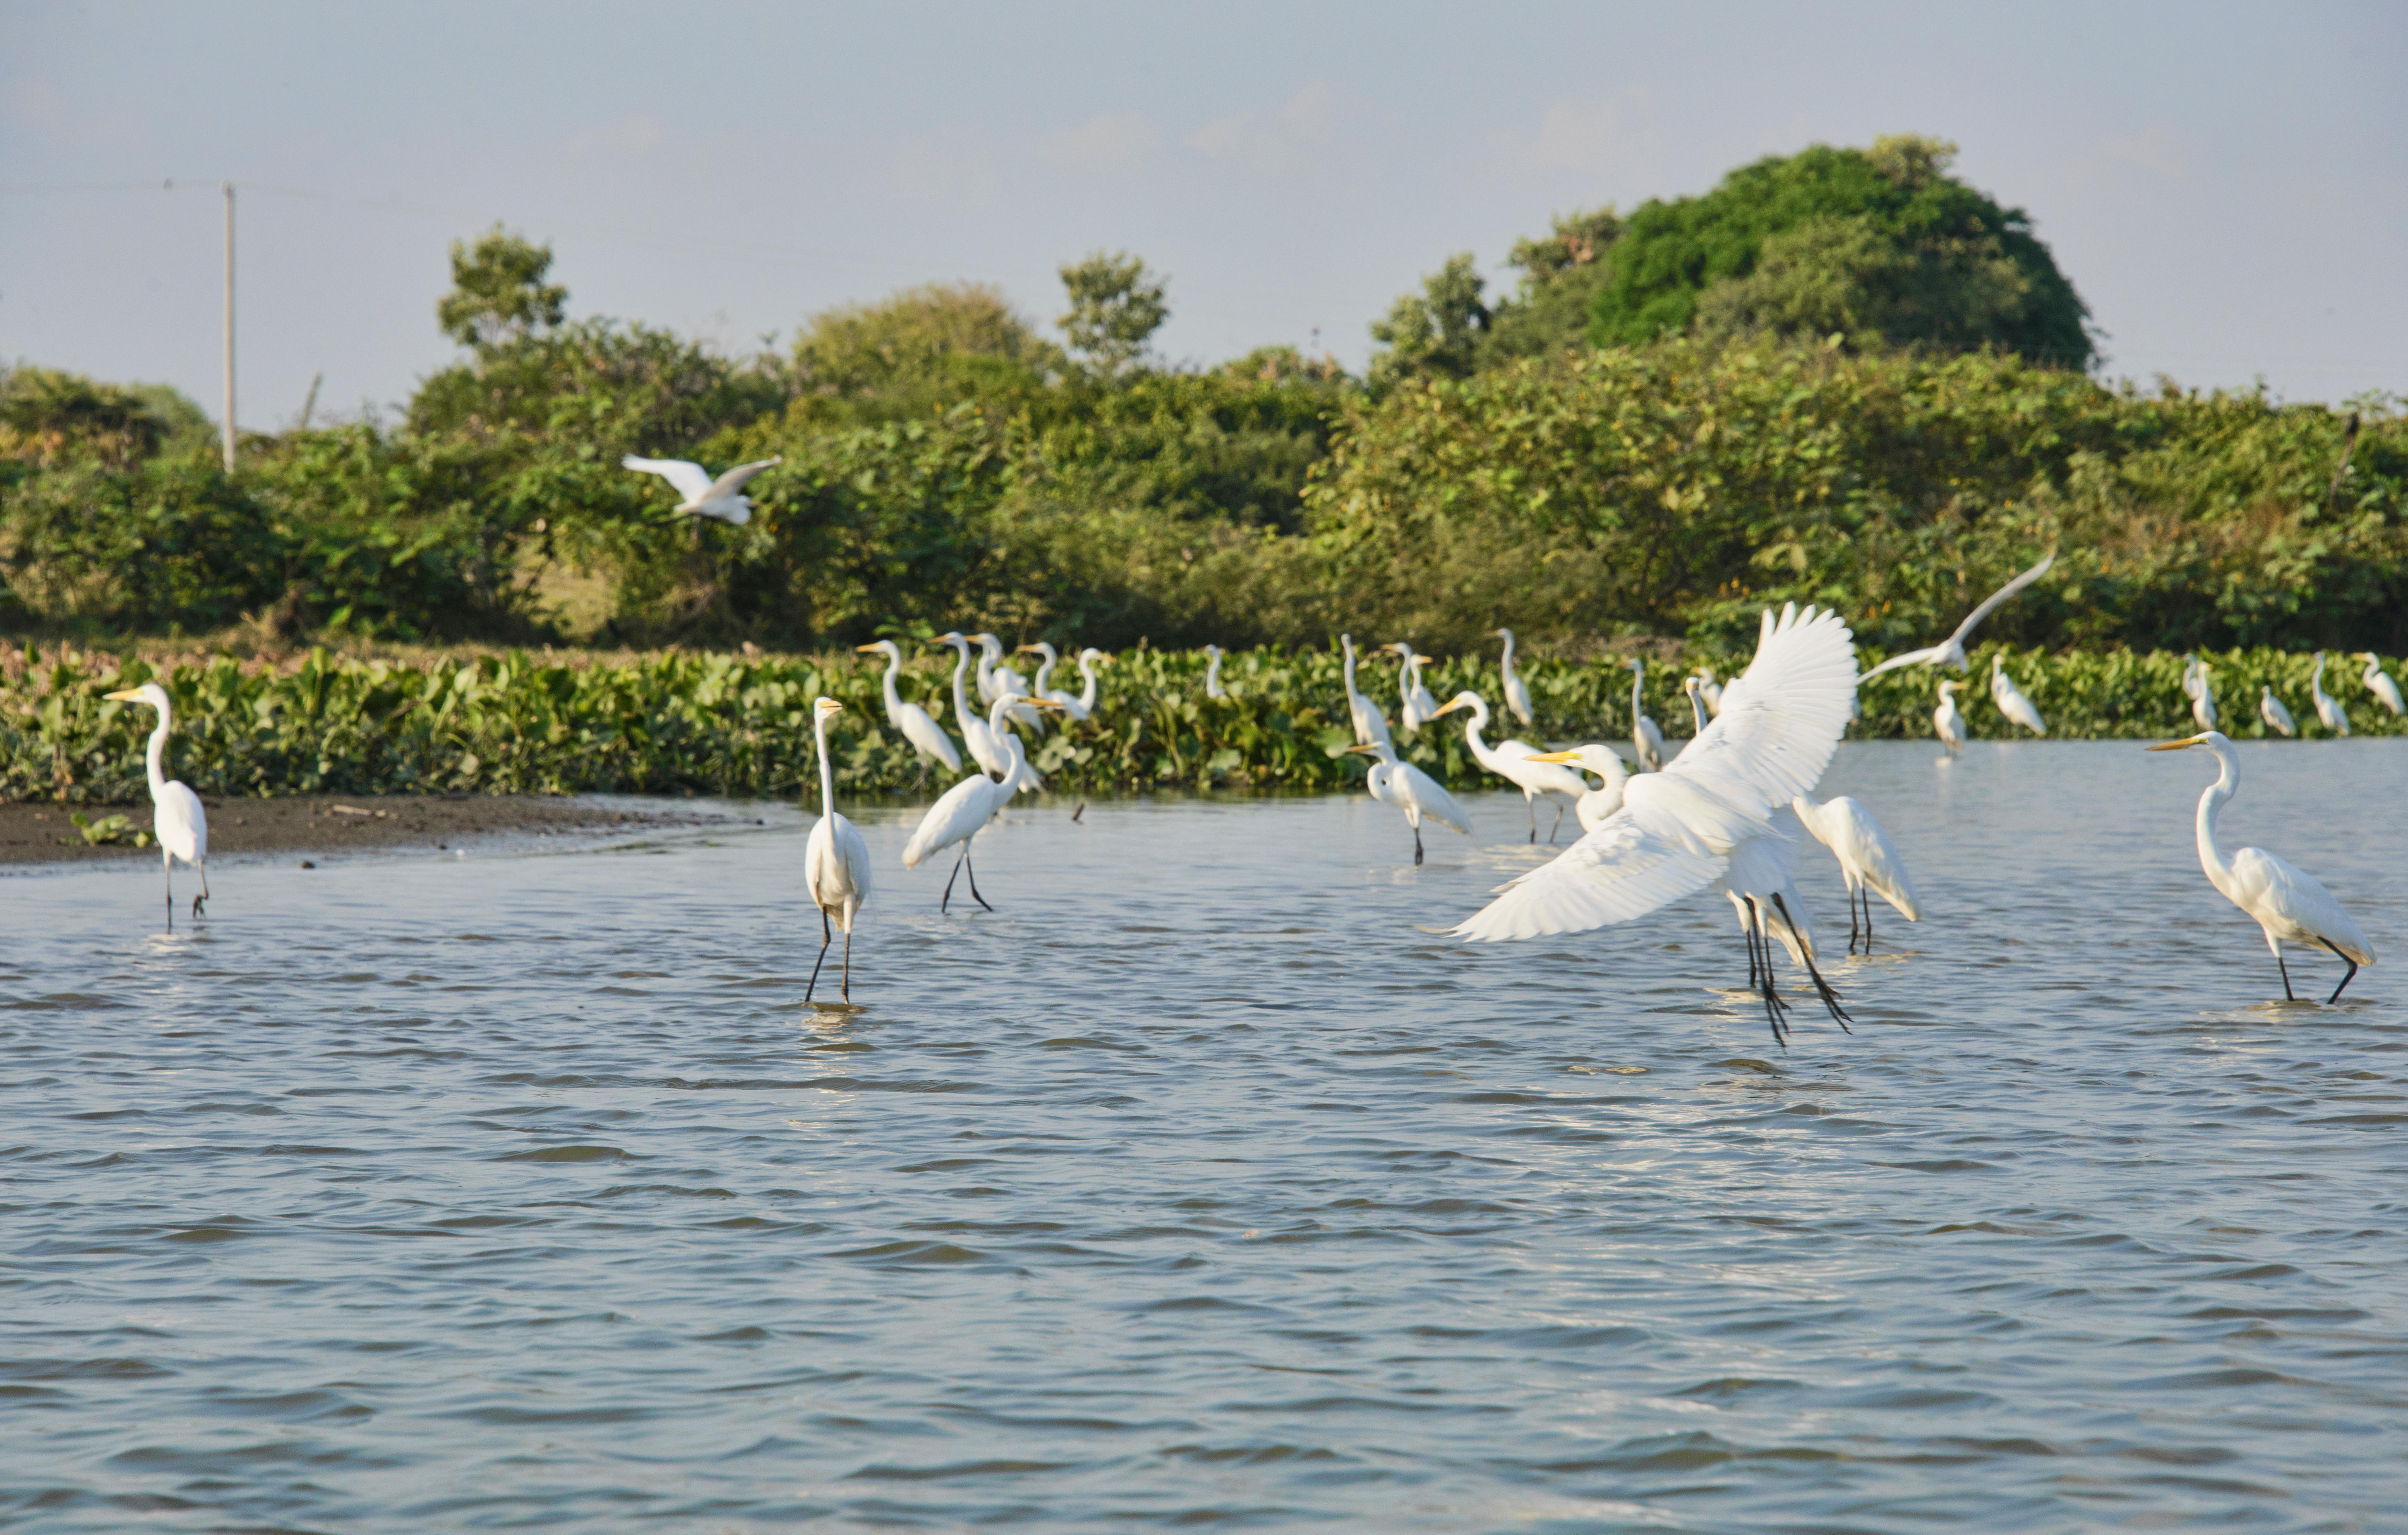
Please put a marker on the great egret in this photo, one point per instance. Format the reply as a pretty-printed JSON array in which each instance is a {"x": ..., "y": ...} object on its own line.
[
  {"x": 1947, "y": 721},
  {"x": 1394, "y": 781},
  {"x": 1512, "y": 761},
  {"x": 915, "y": 723},
  {"x": 1713, "y": 692},
  {"x": 1083, "y": 706},
  {"x": 2011, "y": 700},
  {"x": 704, "y": 496},
  {"x": 1951, "y": 651},
  {"x": 2191, "y": 669},
  {"x": 1646, "y": 740},
  {"x": 1761, "y": 885},
  {"x": 1417, "y": 708},
  {"x": 1869, "y": 865},
  {"x": 2329, "y": 709},
  {"x": 2284, "y": 899},
  {"x": 961, "y": 811},
  {"x": 1613, "y": 775},
  {"x": 1046, "y": 661},
  {"x": 1370, "y": 727},
  {"x": 1517, "y": 697},
  {"x": 2201, "y": 688},
  {"x": 997, "y": 678},
  {"x": 176, "y": 819},
  {"x": 836, "y": 861},
  {"x": 2271, "y": 709},
  {"x": 975, "y": 734},
  {"x": 1709, "y": 817},
  {"x": 1212, "y": 688},
  {"x": 2378, "y": 682}
]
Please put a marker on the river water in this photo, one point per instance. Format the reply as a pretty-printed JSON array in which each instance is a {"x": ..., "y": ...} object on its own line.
[{"x": 1201, "y": 1185}]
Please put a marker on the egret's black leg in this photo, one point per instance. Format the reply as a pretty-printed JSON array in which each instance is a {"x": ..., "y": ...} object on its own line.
[
  {"x": 1556, "y": 827},
  {"x": 973, "y": 868},
  {"x": 848, "y": 962},
  {"x": 1822, "y": 987},
  {"x": 1868, "y": 896},
  {"x": 959, "y": 858},
  {"x": 826, "y": 933},
  {"x": 202, "y": 900},
  {"x": 1531, "y": 803},
  {"x": 1852, "y": 919},
  {"x": 1417, "y": 846},
  {"x": 1749, "y": 928},
  {"x": 1774, "y": 1007},
  {"x": 2344, "y": 980},
  {"x": 2288, "y": 996}
]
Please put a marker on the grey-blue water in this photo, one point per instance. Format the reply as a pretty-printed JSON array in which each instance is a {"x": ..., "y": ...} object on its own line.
[{"x": 1200, "y": 1186}]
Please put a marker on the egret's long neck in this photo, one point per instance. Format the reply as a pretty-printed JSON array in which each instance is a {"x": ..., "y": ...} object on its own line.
[
  {"x": 986, "y": 668},
  {"x": 1473, "y": 724},
  {"x": 1697, "y": 708},
  {"x": 1212, "y": 673},
  {"x": 1350, "y": 671},
  {"x": 893, "y": 700},
  {"x": 1046, "y": 662},
  {"x": 998, "y": 723},
  {"x": 2211, "y": 856},
  {"x": 156, "y": 757},
  {"x": 960, "y": 699},
  {"x": 1087, "y": 693},
  {"x": 1506, "y": 666},
  {"x": 1638, "y": 677},
  {"x": 827, "y": 774}
]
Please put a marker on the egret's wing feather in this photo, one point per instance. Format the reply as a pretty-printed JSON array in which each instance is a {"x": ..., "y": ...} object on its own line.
[
  {"x": 1631, "y": 865},
  {"x": 926, "y": 735},
  {"x": 957, "y": 814},
  {"x": 1990, "y": 603},
  {"x": 179, "y": 822},
  {"x": 1909, "y": 658},
  {"x": 735, "y": 479},
  {"x": 1428, "y": 797},
  {"x": 2302, "y": 909},
  {"x": 691, "y": 481},
  {"x": 1782, "y": 720}
]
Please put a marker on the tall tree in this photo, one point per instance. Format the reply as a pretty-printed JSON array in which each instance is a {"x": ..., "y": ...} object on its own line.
[
  {"x": 1561, "y": 273},
  {"x": 498, "y": 294},
  {"x": 1434, "y": 333},
  {"x": 1116, "y": 305}
]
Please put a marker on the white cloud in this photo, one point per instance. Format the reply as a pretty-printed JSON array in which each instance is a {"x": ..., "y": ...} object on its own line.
[
  {"x": 1607, "y": 135},
  {"x": 628, "y": 136},
  {"x": 2156, "y": 148},
  {"x": 1297, "y": 136},
  {"x": 1113, "y": 141}
]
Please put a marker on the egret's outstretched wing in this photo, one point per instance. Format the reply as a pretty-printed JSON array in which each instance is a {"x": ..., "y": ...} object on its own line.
[
  {"x": 1991, "y": 602},
  {"x": 735, "y": 479},
  {"x": 693, "y": 481},
  {"x": 1909, "y": 658},
  {"x": 1781, "y": 720},
  {"x": 1631, "y": 865}
]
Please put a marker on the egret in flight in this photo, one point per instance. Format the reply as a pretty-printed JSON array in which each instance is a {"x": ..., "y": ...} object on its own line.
[
  {"x": 1869, "y": 865},
  {"x": 2284, "y": 899},
  {"x": 1951, "y": 651},
  {"x": 1370, "y": 727},
  {"x": 1613, "y": 775},
  {"x": 1517, "y": 697},
  {"x": 1947, "y": 721},
  {"x": 2329, "y": 709},
  {"x": 1212, "y": 688},
  {"x": 1515, "y": 762},
  {"x": 2011, "y": 700},
  {"x": 2378, "y": 682},
  {"x": 1417, "y": 707},
  {"x": 914, "y": 724},
  {"x": 1646, "y": 740},
  {"x": 962, "y": 812},
  {"x": 1709, "y": 817},
  {"x": 2271, "y": 709},
  {"x": 836, "y": 861},
  {"x": 704, "y": 496},
  {"x": 176, "y": 819},
  {"x": 1394, "y": 781}
]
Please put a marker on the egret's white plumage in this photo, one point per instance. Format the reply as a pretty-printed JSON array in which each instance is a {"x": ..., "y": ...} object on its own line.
[
  {"x": 704, "y": 496},
  {"x": 1212, "y": 688},
  {"x": 2271, "y": 709},
  {"x": 1646, "y": 742},
  {"x": 2328, "y": 711},
  {"x": 1713, "y": 692},
  {"x": 1416, "y": 706},
  {"x": 975, "y": 733},
  {"x": 1951, "y": 651},
  {"x": 1869, "y": 863},
  {"x": 2284, "y": 899},
  {"x": 1394, "y": 782},
  {"x": 836, "y": 861},
  {"x": 1517, "y": 696},
  {"x": 915, "y": 724},
  {"x": 997, "y": 678},
  {"x": 962, "y": 811},
  {"x": 1613, "y": 775},
  {"x": 1514, "y": 762},
  {"x": 1371, "y": 727},
  {"x": 1083, "y": 706},
  {"x": 177, "y": 822},
  {"x": 1948, "y": 721},
  {"x": 2201, "y": 688},
  {"x": 2011, "y": 700},
  {"x": 2378, "y": 682}
]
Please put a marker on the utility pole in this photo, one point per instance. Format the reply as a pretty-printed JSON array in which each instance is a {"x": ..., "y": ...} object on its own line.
[{"x": 228, "y": 188}]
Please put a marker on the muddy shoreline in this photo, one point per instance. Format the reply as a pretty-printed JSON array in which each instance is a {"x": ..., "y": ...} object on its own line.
[{"x": 33, "y": 832}]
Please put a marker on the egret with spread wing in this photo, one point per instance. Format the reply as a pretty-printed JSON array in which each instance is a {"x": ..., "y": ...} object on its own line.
[
  {"x": 176, "y": 819},
  {"x": 1951, "y": 651},
  {"x": 704, "y": 496}
]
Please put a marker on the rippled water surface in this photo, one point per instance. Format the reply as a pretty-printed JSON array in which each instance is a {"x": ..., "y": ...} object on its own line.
[{"x": 1202, "y": 1185}]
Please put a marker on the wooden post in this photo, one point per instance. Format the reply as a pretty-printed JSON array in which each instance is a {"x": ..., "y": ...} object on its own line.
[{"x": 228, "y": 189}]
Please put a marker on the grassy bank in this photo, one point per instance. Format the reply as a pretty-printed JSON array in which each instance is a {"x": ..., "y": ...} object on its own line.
[{"x": 672, "y": 721}]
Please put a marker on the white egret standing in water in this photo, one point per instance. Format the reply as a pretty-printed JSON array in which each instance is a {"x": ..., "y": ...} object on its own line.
[
  {"x": 1212, "y": 688},
  {"x": 1515, "y": 762},
  {"x": 2271, "y": 709},
  {"x": 914, "y": 723},
  {"x": 2378, "y": 682},
  {"x": 1869, "y": 863},
  {"x": 836, "y": 861},
  {"x": 997, "y": 678},
  {"x": 975, "y": 734},
  {"x": 1947, "y": 721},
  {"x": 1951, "y": 651},
  {"x": 704, "y": 496},
  {"x": 1646, "y": 740},
  {"x": 1416, "y": 706},
  {"x": 1613, "y": 775},
  {"x": 2284, "y": 899},
  {"x": 2011, "y": 700},
  {"x": 962, "y": 811},
  {"x": 1394, "y": 782},
  {"x": 1517, "y": 697},
  {"x": 1370, "y": 727},
  {"x": 176, "y": 819},
  {"x": 2328, "y": 711}
]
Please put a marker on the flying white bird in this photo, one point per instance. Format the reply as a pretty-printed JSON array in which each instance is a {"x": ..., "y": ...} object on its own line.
[
  {"x": 836, "y": 861},
  {"x": 2378, "y": 682},
  {"x": 2329, "y": 709},
  {"x": 1212, "y": 688},
  {"x": 1761, "y": 885},
  {"x": 1951, "y": 651},
  {"x": 1417, "y": 708},
  {"x": 2271, "y": 709},
  {"x": 2284, "y": 899},
  {"x": 915, "y": 723},
  {"x": 1401, "y": 783},
  {"x": 1514, "y": 762},
  {"x": 1869, "y": 863},
  {"x": 1646, "y": 740},
  {"x": 1370, "y": 727},
  {"x": 2012, "y": 702},
  {"x": 1517, "y": 697},
  {"x": 704, "y": 496},
  {"x": 1613, "y": 775},
  {"x": 176, "y": 819},
  {"x": 962, "y": 811},
  {"x": 1947, "y": 721}
]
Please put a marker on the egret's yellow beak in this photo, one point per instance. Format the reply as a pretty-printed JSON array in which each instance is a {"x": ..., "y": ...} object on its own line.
[
  {"x": 124, "y": 695},
  {"x": 1352, "y": 750},
  {"x": 2176, "y": 745},
  {"x": 1448, "y": 708},
  {"x": 877, "y": 647},
  {"x": 1026, "y": 649},
  {"x": 1553, "y": 757}
]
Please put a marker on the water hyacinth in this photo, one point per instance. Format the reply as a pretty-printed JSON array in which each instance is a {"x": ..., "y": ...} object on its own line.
[{"x": 680, "y": 722}]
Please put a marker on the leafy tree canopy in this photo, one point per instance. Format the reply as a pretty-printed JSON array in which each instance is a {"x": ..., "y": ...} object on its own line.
[
  {"x": 1881, "y": 245},
  {"x": 1116, "y": 305},
  {"x": 916, "y": 335},
  {"x": 1561, "y": 274},
  {"x": 1435, "y": 333},
  {"x": 498, "y": 292},
  {"x": 50, "y": 417}
]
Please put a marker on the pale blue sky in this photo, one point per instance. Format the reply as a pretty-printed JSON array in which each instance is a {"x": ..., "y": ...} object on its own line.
[{"x": 2226, "y": 185}]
